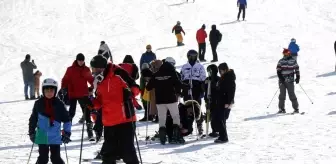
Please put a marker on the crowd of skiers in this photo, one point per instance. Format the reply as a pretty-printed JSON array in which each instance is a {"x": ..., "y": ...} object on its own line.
[{"x": 109, "y": 102}]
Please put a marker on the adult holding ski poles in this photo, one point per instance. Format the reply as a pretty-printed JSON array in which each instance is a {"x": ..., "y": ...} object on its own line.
[
  {"x": 286, "y": 68},
  {"x": 193, "y": 73}
]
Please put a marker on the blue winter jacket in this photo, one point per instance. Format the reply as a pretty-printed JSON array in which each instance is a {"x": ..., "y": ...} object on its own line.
[
  {"x": 242, "y": 2},
  {"x": 47, "y": 132},
  {"x": 293, "y": 48},
  {"x": 147, "y": 57}
]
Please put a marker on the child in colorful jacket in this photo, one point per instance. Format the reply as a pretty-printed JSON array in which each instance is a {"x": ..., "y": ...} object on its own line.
[{"x": 45, "y": 124}]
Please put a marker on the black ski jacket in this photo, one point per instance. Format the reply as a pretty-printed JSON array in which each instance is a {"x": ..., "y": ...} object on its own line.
[{"x": 226, "y": 89}]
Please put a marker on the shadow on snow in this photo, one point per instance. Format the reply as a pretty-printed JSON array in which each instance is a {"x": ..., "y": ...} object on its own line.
[
  {"x": 327, "y": 74},
  {"x": 265, "y": 116}
]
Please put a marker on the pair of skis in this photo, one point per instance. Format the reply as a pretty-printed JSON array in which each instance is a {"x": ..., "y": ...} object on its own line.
[{"x": 99, "y": 161}]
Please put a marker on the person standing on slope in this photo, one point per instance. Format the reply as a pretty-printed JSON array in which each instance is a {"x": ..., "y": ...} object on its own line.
[
  {"x": 226, "y": 88},
  {"x": 75, "y": 81},
  {"x": 105, "y": 51},
  {"x": 294, "y": 48},
  {"x": 37, "y": 76},
  {"x": 215, "y": 38},
  {"x": 148, "y": 56},
  {"x": 335, "y": 52},
  {"x": 242, "y": 5},
  {"x": 114, "y": 99},
  {"x": 167, "y": 86},
  {"x": 193, "y": 73},
  {"x": 45, "y": 124},
  {"x": 178, "y": 29},
  {"x": 28, "y": 77},
  {"x": 210, "y": 100},
  {"x": 286, "y": 68},
  {"x": 201, "y": 35}
]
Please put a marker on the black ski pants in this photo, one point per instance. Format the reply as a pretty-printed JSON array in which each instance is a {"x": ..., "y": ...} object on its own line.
[
  {"x": 119, "y": 142},
  {"x": 241, "y": 8},
  {"x": 214, "y": 50},
  {"x": 201, "y": 50},
  {"x": 221, "y": 114},
  {"x": 55, "y": 154},
  {"x": 83, "y": 102}
]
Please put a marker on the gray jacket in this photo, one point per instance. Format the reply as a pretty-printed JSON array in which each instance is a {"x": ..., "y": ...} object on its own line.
[{"x": 27, "y": 70}]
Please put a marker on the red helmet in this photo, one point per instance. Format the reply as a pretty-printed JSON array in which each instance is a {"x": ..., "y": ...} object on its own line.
[{"x": 286, "y": 52}]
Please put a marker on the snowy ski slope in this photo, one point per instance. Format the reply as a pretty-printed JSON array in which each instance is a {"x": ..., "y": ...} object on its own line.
[{"x": 53, "y": 32}]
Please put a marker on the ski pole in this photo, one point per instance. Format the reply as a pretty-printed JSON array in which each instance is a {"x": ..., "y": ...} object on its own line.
[
  {"x": 31, "y": 150},
  {"x": 66, "y": 154},
  {"x": 147, "y": 112},
  {"x": 274, "y": 96},
  {"x": 306, "y": 94},
  {"x": 193, "y": 108},
  {"x": 134, "y": 130},
  {"x": 81, "y": 146}
]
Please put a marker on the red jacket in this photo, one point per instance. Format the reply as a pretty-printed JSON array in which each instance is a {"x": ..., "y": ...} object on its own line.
[
  {"x": 110, "y": 99},
  {"x": 201, "y": 35},
  {"x": 75, "y": 79}
]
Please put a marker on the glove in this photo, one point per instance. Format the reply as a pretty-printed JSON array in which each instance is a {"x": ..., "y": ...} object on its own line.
[
  {"x": 297, "y": 80},
  {"x": 202, "y": 95},
  {"x": 32, "y": 137},
  {"x": 65, "y": 137}
]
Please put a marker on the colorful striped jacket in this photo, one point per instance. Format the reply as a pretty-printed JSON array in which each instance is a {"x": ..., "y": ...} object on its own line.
[{"x": 286, "y": 68}]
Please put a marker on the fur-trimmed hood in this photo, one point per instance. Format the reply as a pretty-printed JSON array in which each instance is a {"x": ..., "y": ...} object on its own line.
[{"x": 188, "y": 105}]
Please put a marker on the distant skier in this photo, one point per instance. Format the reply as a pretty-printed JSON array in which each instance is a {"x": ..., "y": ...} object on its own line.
[
  {"x": 210, "y": 101},
  {"x": 225, "y": 94},
  {"x": 201, "y": 35},
  {"x": 105, "y": 51},
  {"x": 45, "y": 124},
  {"x": 193, "y": 74},
  {"x": 242, "y": 4},
  {"x": 178, "y": 29},
  {"x": 215, "y": 37},
  {"x": 293, "y": 48},
  {"x": 286, "y": 68},
  {"x": 28, "y": 76}
]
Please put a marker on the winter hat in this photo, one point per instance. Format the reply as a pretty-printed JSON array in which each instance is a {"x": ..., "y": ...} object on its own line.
[
  {"x": 223, "y": 66},
  {"x": 293, "y": 40},
  {"x": 102, "y": 42},
  {"x": 203, "y": 26},
  {"x": 128, "y": 59},
  {"x": 98, "y": 61},
  {"x": 148, "y": 46},
  {"x": 286, "y": 52},
  {"x": 144, "y": 66},
  {"x": 178, "y": 22},
  {"x": 80, "y": 57},
  {"x": 146, "y": 73}
]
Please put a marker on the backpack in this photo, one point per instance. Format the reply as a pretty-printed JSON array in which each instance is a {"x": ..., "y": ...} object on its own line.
[{"x": 219, "y": 36}]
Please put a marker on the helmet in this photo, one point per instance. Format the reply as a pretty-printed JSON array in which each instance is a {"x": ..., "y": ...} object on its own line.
[
  {"x": 49, "y": 82},
  {"x": 171, "y": 60},
  {"x": 192, "y": 53},
  {"x": 98, "y": 61},
  {"x": 286, "y": 52},
  {"x": 293, "y": 40}
]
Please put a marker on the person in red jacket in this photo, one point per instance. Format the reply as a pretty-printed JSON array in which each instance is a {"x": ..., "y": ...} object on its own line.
[
  {"x": 114, "y": 98},
  {"x": 75, "y": 81},
  {"x": 201, "y": 35},
  {"x": 133, "y": 71}
]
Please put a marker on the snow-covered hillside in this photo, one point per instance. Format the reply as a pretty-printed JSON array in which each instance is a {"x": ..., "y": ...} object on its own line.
[{"x": 53, "y": 32}]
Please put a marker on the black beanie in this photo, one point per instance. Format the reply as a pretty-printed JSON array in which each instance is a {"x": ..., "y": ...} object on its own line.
[
  {"x": 80, "y": 57},
  {"x": 146, "y": 73},
  {"x": 223, "y": 66}
]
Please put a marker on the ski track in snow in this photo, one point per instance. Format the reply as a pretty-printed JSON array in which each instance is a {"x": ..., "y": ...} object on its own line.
[{"x": 53, "y": 32}]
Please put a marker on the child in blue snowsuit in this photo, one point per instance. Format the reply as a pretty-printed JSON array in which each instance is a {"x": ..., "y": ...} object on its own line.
[
  {"x": 293, "y": 48},
  {"x": 45, "y": 124}
]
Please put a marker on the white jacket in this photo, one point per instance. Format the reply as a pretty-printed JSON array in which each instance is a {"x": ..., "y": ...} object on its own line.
[{"x": 196, "y": 72}]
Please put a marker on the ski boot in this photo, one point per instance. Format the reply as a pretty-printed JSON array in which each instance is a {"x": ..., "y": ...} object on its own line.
[
  {"x": 282, "y": 111},
  {"x": 177, "y": 137},
  {"x": 81, "y": 120},
  {"x": 296, "y": 111},
  {"x": 89, "y": 131},
  {"x": 98, "y": 135},
  {"x": 98, "y": 156},
  {"x": 213, "y": 134},
  {"x": 219, "y": 140},
  {"x": 162, "y": 135},
  {"x": 26, "y": 97},
  {"x": 200, "y": 124}
]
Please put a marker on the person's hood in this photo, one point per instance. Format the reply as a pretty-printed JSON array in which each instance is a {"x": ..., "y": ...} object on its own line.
[
  {"x": 167, "y": 68},
  {"x": 213, "y": 27},
  {"x": 188, "y": 105},
  {"x": 230, "y": 75}
]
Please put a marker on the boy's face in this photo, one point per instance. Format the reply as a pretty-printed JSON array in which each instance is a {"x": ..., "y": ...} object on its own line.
[
  {"x": 49, "y": 92},
  {"x": 80, "y": 62}
]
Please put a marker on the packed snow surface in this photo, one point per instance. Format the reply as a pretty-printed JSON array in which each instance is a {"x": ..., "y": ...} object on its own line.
[{"x": 53, "y": 32}]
